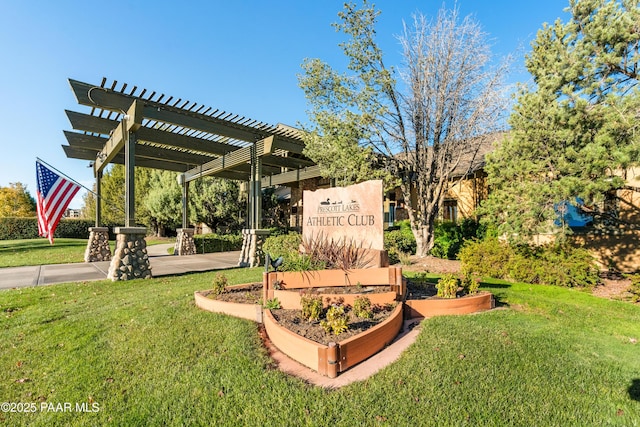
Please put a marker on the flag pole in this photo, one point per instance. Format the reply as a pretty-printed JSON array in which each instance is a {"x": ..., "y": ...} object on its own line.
[{"x": 67, "y": 176}]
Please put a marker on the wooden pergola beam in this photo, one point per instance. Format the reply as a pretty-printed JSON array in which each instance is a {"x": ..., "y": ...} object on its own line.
[
  {"x": 93, "y": 124},
  {"x": 117, "y": 140},
  {"x": 291, "y": 176},
  {"x": 94, "y": 96},
  {"x": 228, "y": 161},
  {"x": 104, "y": 126},
  {"x": 90, "y": 155}
]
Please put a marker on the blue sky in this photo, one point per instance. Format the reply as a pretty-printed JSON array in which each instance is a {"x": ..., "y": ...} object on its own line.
[{"x": 239, "y": 56}]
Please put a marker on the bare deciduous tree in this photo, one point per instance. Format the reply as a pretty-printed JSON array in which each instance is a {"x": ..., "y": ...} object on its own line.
[{"x": 428, "y": 125}]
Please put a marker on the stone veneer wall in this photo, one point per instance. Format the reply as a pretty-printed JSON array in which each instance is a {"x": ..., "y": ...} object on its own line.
[
  {"x": 251, "y": 253},
  {"x": 130, "y": 259},
  {"x": 98, "y": 245},
  {"x": 185, "y": 245}
]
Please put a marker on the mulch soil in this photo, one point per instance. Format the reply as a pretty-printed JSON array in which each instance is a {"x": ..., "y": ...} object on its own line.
[{"x": 292, "y": 320}]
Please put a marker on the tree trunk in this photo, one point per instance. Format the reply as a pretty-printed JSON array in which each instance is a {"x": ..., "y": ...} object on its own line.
[
  {"x": 424, "y": 238},
  {"x": 422, "y": 218}
]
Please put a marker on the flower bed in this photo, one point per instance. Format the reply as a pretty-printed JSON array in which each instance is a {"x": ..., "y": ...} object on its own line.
[
  {"x": 334, "y": 358},
  {"x": 382, "y": 286}
]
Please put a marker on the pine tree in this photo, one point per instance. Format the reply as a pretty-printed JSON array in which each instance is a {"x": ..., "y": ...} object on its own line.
[{"x": 575, "y": 131}]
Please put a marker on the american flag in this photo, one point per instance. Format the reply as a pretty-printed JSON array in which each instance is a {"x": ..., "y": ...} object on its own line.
[{"x": 54, "y": 195}]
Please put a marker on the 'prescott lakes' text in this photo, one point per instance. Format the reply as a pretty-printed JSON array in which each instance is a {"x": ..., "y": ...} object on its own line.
[{"x": 353, "y": 220}]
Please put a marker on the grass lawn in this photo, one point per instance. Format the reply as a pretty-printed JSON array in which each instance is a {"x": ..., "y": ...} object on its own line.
[
  {"x": 141, "y": 353},
  {"x": 17, "y": 253}
]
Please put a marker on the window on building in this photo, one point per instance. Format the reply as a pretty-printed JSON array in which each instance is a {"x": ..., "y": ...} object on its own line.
[{"x": 450, "y": 212}]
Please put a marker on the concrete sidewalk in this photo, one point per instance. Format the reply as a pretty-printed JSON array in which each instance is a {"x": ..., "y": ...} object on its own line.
[{"x": 162, "y": 264}]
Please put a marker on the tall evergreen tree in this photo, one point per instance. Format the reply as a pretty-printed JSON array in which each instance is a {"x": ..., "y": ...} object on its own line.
[
  {"x": 163, "y": 202},
  {"x": 218, "y": 203},
  {"x": 575, "y": 131}
]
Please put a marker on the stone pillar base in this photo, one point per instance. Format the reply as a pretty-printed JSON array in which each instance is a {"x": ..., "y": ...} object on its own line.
[
  {"x": 252, "y": 240},
  {"x": 130, "y": 259},
  {"x": 98, "y": 245},
  {"x": 185, "y": 244}
]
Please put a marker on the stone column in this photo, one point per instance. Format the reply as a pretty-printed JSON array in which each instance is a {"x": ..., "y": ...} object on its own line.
[
  {"x": 185, "y": 244},
  {"x": 251, "y": 254},
  {"x": 130, "y": 259},
  {"x": 98, "y": 245}
]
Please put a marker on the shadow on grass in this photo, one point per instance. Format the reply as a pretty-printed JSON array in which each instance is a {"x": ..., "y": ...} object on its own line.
[
  {"x": 488, "y": 286},
  {"x": 634, "y": 390},
  {"x": 47, "y": 246}
]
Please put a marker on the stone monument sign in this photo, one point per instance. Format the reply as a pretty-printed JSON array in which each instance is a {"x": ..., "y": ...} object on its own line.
[{"x": 345, "y": 214}]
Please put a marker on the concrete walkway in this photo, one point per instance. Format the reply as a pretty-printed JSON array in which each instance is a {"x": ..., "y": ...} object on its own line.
[{"x": 162, "y": 264}]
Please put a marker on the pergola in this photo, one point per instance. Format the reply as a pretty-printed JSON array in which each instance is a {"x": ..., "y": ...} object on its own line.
[{"x": 136, "y": 127}]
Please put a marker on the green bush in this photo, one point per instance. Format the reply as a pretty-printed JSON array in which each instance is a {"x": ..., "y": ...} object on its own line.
[
  {"x": 449, "y": 237},
  {"x": 470, "y": 285},
  {"x": 559, "y": 264},
  {"x": 448, "y": 286},
  {"x": 486, "y": 258},
  {"x": 362, "y": 307},
  {"x": 336, "y": 320},
  {"x": 18, "y": 228},
  {"x": 219, "y": 284},
  {"x": 282, "y": 245},
  {"x": 212, "y": 242},
  {"x": 634, "y": 288},
  {"x": 311, "y": 307},
  {"x": 287, "y": 246},
  {"x": 399, "y": 242}
]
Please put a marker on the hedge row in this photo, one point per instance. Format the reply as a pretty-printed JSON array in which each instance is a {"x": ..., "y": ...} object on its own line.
[
  {"x": 559, "y": 264},
  {"x": 27, "y": 228},
  {"x": 207, "y": 243}
]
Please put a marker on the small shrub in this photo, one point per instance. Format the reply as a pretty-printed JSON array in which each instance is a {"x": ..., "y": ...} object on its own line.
[
  {"x": 470, "y": 285},
  {"x": 336, "y": 320},
  {"x": 634, "y": 288},
  {"x": 272, "y": 304},
  {"x": 362, "y": 307},
  {"x": 400, "y": 241},
  {"x": 448, "y": 286},
  {"x": 405, "y": 258},
  {"x": 282, "y": 245},
  {"x": 301, "y": 262},
  {"x": 311, "y": 307},
  {"x": 486, "y": 258},
  {"x": 287, "y": 246},
  {"x": 220, "y": 282}
]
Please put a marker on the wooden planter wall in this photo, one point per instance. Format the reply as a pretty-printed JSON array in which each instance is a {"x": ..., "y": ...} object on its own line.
[
  {"x": 336, "y": 357},
  {"x": 300, "y": 281},
  {"x": 438, "y": 307},
  {"x": 244, "y": 311}
]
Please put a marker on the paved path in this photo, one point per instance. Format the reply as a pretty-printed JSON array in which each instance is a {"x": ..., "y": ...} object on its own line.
[{"x": 162, "y": 264}]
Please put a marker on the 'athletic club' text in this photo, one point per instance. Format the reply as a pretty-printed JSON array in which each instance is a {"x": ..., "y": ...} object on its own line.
[{"x": 352, "y": 220}]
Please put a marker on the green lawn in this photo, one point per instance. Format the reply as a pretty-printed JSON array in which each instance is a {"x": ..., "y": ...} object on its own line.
[
  {"x": 145, "y": 355},
  {"x": 17, "y": 253}
]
